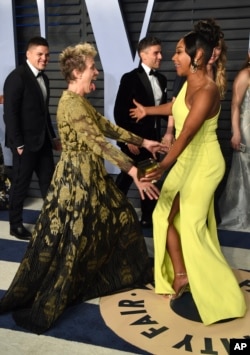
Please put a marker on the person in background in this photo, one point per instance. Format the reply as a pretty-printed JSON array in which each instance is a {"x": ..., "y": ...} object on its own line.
[
  {"x": 4, "y": 184},
  {"x": 4, "y": 179},
  {"x": 29, "y": 131},
  {"x": 187, "y": 255},
  {"x": 149, "y": 87},
  {"x": 87, "y": 241},
  {"x": 234, "y": 202}
]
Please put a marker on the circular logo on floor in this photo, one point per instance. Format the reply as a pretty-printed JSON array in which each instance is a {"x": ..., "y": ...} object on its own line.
[{"x": 148, "y": 321}]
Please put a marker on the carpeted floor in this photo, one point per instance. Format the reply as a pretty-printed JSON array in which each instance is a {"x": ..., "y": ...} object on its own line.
[{"x": 104, "y": 326}]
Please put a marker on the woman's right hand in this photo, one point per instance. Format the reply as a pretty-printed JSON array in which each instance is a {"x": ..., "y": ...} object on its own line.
[
  {"x": 154, "y": 175},
  {"x": 138, "y": 112}
]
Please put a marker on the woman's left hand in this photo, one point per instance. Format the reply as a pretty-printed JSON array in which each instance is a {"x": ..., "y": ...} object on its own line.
[{"x": 148, "y": 189}]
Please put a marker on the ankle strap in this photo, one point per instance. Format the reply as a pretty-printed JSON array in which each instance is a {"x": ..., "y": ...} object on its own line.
[{"x": 181, "y": 274}]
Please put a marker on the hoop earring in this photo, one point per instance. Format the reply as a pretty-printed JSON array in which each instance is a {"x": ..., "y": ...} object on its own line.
[{"x": 194, "y": 66}]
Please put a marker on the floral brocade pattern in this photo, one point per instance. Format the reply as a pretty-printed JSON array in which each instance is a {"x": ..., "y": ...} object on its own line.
[
  {"x": 4, "y": 184},
  {"x": 87, "y": 241}
]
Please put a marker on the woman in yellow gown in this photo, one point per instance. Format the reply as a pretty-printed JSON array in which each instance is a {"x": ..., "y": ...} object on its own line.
[{"x": 187, "y": 251}]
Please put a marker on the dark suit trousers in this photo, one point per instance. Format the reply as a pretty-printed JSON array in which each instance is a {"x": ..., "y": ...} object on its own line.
[
  {"x": 124, "y": 181},
  {"x": 40, "y": 162}
]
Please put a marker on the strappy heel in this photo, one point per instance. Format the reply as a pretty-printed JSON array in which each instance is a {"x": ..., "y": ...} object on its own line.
[{"x": 182, "y": 289}]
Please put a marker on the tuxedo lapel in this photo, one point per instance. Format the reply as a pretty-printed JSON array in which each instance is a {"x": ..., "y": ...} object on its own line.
[
  {"x": 146, "y": 83},
  {"x": 33, "y": 81}
]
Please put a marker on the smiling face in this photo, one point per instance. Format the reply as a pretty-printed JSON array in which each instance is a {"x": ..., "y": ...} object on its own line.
[
  {"x": 181, "y": 59},
  {"x": 152, "y": 56},
  {"x": 38, "y": 56},
  {"x": 216, "y": 54}
]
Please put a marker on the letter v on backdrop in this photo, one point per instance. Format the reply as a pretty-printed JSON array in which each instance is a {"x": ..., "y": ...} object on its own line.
[
  {"x": 111, "y": 38},
  {"x": 113, "y": 46}
]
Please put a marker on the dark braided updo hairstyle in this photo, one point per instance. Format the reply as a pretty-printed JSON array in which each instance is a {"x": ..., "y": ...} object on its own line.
[{"x": 206, "y": 36}]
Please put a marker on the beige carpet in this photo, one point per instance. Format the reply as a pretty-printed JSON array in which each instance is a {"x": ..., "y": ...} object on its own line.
[{"x": 147, "y": 321}]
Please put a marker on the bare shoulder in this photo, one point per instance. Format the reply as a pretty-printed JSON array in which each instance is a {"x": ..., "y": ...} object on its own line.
[
  {"x": 243, "y": 77},
  {"x": 211, "y": 86},
  {"x": 208, "y": 90},
  {"x": 207, "y": 99}
]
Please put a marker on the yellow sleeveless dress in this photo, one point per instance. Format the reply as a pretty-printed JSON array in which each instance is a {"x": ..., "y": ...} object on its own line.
[{"x": 195, "y": 176}]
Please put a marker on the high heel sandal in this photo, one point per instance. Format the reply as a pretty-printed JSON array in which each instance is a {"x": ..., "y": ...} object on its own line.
[{"x": 182, "y": 289}]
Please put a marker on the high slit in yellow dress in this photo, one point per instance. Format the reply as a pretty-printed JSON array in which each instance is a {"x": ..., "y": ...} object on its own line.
[{"x": 196, "y": 175}]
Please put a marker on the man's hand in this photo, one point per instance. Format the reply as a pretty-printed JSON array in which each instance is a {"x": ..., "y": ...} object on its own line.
[
  {"x": 154, "y": 147},
  {"x": 19, "y": 151},
  {"x": 168, "y": 140},
  {"x": 56, "y": 144},
  {"x": 134, "y": 149}
]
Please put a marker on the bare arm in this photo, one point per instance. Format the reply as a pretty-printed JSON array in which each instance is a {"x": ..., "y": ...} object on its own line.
[
  {"x": 240, "y": 85},
  {"x": 168, "y": 137},
  {"x": 141, "y": 111},
  {"x": 205, "y": 104}
]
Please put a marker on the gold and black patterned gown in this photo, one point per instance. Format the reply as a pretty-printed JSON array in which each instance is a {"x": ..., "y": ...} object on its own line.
[
  {"x": 87, "y": 241},
  {"x": 4, "y": 184}
]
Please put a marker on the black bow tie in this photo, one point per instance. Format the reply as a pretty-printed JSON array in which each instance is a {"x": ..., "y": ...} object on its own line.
[
  {"x": 40, "y": 73},
  {"x": 153, "y": 72}
]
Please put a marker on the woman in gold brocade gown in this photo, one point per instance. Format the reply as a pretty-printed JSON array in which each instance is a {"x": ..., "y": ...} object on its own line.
[{"x": 87, "y": 241}]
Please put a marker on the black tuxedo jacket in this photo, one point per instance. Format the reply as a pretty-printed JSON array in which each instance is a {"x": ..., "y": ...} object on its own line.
[
  {"x": 26, "y": 114},
  {"x": 136, "y": 85}
]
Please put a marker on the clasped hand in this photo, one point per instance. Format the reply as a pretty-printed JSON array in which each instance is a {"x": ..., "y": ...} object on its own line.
[
  {"x": 146, "y": 184},
  {"x": 154, "y": 175}
]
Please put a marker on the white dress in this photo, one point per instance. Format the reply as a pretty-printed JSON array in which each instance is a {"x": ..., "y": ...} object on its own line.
[{"x": 235, "y": 199}]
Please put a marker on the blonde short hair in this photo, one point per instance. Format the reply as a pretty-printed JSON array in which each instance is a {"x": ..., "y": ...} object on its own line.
[{"x": 74, "y": 57}]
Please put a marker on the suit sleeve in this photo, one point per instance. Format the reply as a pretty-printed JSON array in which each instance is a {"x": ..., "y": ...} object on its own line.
[
  {"x": 123, "y": 103},
  {"x": 49, "y": 121},
  {"x": 13, "y": 92}
]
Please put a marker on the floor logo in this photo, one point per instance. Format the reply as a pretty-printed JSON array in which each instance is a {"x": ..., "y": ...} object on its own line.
[{"x": 147, "y": 321}]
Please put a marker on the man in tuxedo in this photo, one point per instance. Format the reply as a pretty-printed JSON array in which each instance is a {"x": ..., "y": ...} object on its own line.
[
  {"x": 29, "y": 131},
  {"x": 149, "y": 87}
]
